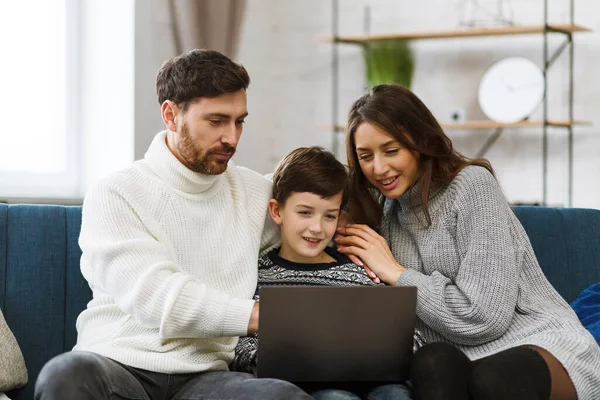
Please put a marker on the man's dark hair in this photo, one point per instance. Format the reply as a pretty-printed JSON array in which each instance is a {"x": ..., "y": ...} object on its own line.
[
  {"x": 310, "y": 169},
  {"x": 199, "y": 73}
]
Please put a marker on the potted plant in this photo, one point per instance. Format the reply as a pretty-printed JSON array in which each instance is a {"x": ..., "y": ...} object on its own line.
[{"x": 388, "y": 61}]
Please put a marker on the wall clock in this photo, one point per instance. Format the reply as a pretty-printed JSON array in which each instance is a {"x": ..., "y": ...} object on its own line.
[{"x": 511, "y": 90}]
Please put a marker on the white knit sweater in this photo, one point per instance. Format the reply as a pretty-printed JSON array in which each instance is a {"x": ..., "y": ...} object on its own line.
[{"x": 171, "y": 258}]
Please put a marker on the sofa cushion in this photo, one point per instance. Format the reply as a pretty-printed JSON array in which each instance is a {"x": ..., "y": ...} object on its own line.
[
  {"x": 565, "y": 241},
  {"x": 587, "y": 308},
  {"x": 41, "y": 288},
  {"x": 13, "y": 373}
]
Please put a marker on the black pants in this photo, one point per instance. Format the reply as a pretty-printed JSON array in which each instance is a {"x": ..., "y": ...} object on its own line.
[{"x": 441, "y": 371}]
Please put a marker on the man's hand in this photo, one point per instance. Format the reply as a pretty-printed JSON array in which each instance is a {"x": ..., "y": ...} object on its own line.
[{"x": 253, "y": 324}]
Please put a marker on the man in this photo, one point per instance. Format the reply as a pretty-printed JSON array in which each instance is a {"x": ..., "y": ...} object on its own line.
[{"x": 170, "y": 248}]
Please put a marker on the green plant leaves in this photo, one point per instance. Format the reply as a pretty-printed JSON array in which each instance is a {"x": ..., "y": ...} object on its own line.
[{"x": 388, "y": 61}]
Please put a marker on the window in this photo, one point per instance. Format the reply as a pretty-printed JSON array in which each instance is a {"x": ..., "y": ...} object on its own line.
[{"x": 39, "y": 73}]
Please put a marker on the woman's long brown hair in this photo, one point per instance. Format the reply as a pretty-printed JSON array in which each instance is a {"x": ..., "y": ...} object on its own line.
[{"x": 399, "y": 112}]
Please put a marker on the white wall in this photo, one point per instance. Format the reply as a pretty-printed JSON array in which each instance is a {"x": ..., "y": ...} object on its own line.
[
  {"x": 291, "y": 70},
  {"x": 290, "y": 93},
  {"x": 153, "y": 45}
]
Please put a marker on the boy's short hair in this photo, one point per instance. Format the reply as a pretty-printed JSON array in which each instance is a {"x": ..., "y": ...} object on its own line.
[{"x": 313, "y": 170}]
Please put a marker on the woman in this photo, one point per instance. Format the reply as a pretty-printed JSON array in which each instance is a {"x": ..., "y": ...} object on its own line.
[{"x": 501, "y": 330}]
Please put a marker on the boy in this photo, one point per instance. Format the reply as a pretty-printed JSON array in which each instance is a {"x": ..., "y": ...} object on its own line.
[{"x": 310, "y": 188}]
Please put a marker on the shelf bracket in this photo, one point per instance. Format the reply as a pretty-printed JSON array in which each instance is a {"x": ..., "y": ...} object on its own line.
[
  {"x": 558, "y": 52},
  {"x": 489, "y": 142}
]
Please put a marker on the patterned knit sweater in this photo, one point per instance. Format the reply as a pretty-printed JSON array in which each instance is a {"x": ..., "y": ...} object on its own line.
[
  {"x": 480, "y": 286},
  {"x": 276, "y": 271}
]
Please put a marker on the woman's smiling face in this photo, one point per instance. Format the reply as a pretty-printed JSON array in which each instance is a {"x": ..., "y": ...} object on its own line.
[{"x": 387, "y": 165}]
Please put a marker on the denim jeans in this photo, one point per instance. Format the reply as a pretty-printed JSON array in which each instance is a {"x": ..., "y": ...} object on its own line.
[
  {"x": 82, "y": 375},
  {"x": 398, "y": 391}
]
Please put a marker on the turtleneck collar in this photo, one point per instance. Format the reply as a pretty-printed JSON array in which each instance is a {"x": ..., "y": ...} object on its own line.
[
  {"x": 409, "y": 202},
  {"x": 168, "y": 168},
  {"x": 410, "y": 198}
]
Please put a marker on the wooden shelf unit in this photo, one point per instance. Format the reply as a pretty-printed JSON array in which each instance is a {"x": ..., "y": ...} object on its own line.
[
  {"x": 566, "y": 30},
  {"x": 487, "y": 124},
  {"x": 458, "y": 33}
]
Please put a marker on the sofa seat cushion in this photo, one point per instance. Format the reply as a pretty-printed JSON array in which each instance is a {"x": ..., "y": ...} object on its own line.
[{"x": 587, "y": 308}]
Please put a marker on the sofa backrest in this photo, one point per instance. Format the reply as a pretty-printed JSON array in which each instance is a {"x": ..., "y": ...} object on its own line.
[
  {"x": 566, "y": 242},
  {"x": 41, "y": 287},
  {"x": 42, "y": 291}
]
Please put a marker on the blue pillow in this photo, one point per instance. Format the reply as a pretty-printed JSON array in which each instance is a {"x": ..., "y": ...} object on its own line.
[{"x": 587, "y": 308}]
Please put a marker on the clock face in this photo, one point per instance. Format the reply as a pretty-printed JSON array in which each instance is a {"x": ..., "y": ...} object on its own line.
[{"x": 511, "y": 90}]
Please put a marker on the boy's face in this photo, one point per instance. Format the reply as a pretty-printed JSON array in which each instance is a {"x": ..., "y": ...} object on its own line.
[{"x": 308, "y": 223}]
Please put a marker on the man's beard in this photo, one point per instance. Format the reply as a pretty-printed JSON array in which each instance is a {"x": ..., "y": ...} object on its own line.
[{"x": 196, "y": 160}]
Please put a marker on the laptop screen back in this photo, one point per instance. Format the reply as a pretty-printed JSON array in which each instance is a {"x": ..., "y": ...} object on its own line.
[{"x": 336, "y": 334}]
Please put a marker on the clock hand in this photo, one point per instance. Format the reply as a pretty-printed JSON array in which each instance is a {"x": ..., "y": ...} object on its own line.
[
  {"x": 509, "y": 87},
  {"x": 527, "y": 85}
]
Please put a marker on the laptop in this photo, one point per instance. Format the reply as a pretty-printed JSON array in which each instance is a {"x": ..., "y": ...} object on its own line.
[{"x": 336, "y": 334}]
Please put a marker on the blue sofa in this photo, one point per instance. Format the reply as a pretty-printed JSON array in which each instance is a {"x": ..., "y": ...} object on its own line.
[{"x": 42, "y": 290}]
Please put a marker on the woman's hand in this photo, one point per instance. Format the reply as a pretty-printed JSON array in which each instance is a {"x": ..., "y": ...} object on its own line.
[
  {"x": 343, "y": 221},
  {"x": 366, "y": 244}
]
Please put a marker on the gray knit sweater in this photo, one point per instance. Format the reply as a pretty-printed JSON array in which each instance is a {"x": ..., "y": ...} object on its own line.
[{"x": 480, "y": 286}]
